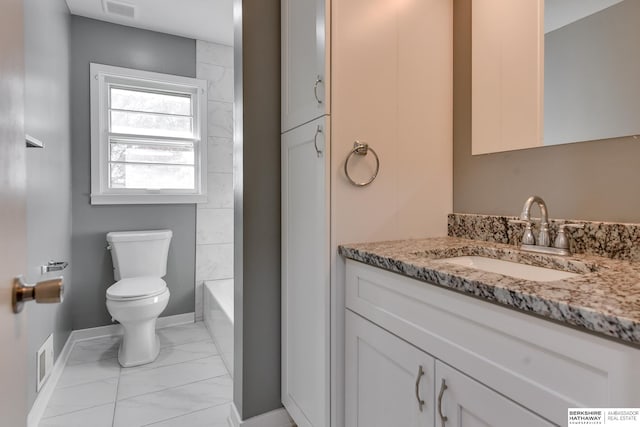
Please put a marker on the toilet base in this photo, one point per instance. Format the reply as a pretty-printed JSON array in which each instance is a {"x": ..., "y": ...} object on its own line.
[{"x": 140, "y": 345}]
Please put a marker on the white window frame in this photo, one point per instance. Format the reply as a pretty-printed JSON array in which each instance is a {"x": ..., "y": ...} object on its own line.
[{"x": 104, "y": 75}]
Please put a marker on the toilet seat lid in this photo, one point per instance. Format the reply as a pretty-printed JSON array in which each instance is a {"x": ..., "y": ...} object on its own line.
[{"x": 136, "y": 287}]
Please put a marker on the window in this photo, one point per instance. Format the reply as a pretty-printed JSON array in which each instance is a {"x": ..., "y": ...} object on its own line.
[{"x": 148, "y": 137}]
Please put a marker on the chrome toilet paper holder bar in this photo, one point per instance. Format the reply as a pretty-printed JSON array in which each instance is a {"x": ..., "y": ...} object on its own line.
[{"x": 53, "y": 266}]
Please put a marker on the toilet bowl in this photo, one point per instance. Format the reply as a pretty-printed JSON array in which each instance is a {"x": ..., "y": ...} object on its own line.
[
  {"x": 140, "y": 294},
  {"x": 137, "y": 312}
]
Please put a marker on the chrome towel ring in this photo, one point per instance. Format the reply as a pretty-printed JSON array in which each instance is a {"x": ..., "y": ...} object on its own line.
[{"x": 361, "y": 149}]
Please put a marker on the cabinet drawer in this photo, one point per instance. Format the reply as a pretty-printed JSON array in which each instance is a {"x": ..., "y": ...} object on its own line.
[{"x": 541, "y": 365}]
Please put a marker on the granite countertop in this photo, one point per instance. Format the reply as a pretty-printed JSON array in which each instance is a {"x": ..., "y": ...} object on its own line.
[{"x": 604, "y": 298}]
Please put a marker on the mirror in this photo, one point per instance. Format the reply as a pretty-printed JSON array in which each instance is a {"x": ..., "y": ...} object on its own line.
[{"x": 547, "y": 72}]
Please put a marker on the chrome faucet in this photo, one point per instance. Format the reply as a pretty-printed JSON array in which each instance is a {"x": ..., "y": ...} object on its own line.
[
  {"x": 543, "y": 235},
  {"x": 542, "y": 243}
]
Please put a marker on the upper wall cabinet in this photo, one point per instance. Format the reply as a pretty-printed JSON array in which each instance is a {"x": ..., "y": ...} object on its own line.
[{"x": 305, "y": 64}]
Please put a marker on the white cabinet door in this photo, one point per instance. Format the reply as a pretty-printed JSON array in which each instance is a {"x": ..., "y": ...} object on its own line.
[
  {"x": 385, "y": 378},
  {"x": 467, "y": 403},
  {"x": 305, "y": 275},
  {"x": 304, "y": 85}
]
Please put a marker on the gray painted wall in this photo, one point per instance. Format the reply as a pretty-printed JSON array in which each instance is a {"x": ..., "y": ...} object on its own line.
[
  {"x": 591, "y": 69},
  {"x": 256, "y": 161},
  {"x": 590, "y": 180},
  {"x": 47, "y": 56},
  {"x": 110, "y": 44}
]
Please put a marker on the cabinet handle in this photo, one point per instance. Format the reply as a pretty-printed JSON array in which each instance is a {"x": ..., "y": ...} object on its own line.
[
  {"x": 443, "y": 387},
  {"x": 315, "y": 89},
  {"x": 315, "y": 141},
  {"x": 420, "y": 375}
]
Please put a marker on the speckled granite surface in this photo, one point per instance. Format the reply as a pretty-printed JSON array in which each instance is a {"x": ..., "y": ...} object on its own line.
[
  {"x": 604, "y": 298},
  {"x": 607, "y": 239}
]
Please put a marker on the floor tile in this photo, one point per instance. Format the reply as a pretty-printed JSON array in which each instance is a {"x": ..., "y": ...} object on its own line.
[
  {"x": 177, "y": 354},
  {"x": 83, "y": 396},
  {"x": 186, "y": 386},
  {"x": 87, "y": 372},
  {"x": 152, "y": 380},
  {"x": 94, "y": 350},
  {"x": 99, "y": 416},
  {"x": 183, "y": 334},
  {"x": 210, "y": 417},
  {"x": 173, "y": 402}
]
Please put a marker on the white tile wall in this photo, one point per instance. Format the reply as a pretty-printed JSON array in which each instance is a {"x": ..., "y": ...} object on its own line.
[
  {"x": 220, "y": 154},
  {"x": 214, "y": 243},
  {"x": 220, "y": 120},
  {"x": 214, "y": 262},
  {"x": 220, "y": 188},
  {"x": 214, "y": 226},
  {"x": 213, "y": 53},
  {"x": 220, "y": 81}
]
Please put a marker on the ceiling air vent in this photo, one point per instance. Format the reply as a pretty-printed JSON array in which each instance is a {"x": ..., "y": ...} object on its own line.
[{"x": 118, "y": 8}]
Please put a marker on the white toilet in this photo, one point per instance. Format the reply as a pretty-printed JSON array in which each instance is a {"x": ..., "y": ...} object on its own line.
[{"x": 139, "y": 295}]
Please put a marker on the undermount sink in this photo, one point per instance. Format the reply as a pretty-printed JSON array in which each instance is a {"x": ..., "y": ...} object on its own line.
[{"x": 508, "y": 268}]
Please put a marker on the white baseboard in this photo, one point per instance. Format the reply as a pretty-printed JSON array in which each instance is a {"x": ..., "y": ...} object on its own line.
[
  {"x": 42, "y": 399},
  {"x": 115, "y": 329},
  {"x": 175, "y": 320},
  {"x": 277, "y": 418},
  {"x": 91, "y": 333}
]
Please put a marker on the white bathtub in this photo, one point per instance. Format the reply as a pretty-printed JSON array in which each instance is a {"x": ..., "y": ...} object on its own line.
[{"x": 218, "y": 317}]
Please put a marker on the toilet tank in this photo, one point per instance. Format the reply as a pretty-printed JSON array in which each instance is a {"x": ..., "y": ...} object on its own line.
[{"x": 139, "y": 253}]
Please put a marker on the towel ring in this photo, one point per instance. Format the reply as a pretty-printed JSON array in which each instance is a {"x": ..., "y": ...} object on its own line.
[{"x": 361, "y": 150}]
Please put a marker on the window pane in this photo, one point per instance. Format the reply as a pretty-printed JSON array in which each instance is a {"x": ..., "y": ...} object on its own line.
[
  {"x": 134, "y": 176},
  {"x": 151, "y": 124},
  {"x": 143, "y": 153},
  {"x": 131, "y": 99}
]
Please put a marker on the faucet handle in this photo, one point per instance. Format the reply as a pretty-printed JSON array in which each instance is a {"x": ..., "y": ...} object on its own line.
[
  {"x": 527, "y": 238},
  {"x": 519, "y": 221},
  {"x": 562, "y": 242}
]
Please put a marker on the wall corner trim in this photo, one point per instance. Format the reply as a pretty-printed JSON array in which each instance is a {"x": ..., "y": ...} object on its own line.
[{"x": 276, "y": 418}]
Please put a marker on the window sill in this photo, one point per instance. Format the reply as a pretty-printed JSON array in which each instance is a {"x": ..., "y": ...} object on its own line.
[{"x": 147, "y": 199}]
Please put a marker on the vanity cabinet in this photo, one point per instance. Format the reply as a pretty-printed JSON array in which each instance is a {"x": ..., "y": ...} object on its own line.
[
  {"x": 305, "y": 89},
  {"x": 389, "y": 382},
  {"x": 499, "y": 364}
]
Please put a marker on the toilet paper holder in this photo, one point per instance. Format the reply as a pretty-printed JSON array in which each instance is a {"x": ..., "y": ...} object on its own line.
[{"x": 53, "y": 266}]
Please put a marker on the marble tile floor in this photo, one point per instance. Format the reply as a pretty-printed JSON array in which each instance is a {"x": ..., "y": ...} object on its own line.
[{"x": 187, "y": 386}]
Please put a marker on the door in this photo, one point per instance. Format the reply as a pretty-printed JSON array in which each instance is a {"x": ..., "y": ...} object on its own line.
[
  {"x": 464, "y": 402},
  {"x": 388, "y": 382},
  {"x": 304, "y": 76},
  {"x": 305, "y": 275},
  {"x": 13, "y": 387}
]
